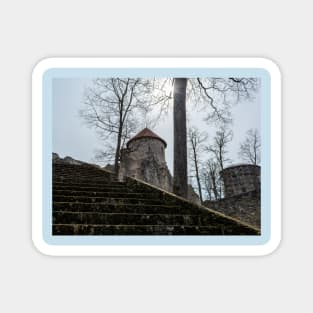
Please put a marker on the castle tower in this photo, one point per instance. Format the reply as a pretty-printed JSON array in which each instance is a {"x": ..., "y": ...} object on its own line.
[
  {"x": 144, "y": 158},
  {"x": 239, "y": 179}
]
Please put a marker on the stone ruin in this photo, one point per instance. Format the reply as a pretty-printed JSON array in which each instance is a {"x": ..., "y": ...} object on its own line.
[
  {"x": 240, "y": 179},
  {"x": 67, "y": 160},
  {"x": 89, "y": 201},
  {"x": 242, "y": 191},
  {"x": 144, "y": 159}
]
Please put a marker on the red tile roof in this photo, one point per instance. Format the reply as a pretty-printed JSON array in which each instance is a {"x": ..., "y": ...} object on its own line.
[{"x": 146, "y": 133}]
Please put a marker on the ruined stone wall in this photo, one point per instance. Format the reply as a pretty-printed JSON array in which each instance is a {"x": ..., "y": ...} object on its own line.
[
  {"x": 245, "y": 207},
  {"x": 240, "y": 179},
  {"x": 68, "y": 160},
  {"x": 144, "y": 159}
]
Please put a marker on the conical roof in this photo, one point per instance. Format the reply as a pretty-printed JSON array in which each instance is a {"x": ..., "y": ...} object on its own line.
[{"x": 146, "y": 133}]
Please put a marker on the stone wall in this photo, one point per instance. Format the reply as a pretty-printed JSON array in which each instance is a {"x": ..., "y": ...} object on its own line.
[
  {"x": 144, "y": 159},
  {"x": 240, "y": 179},
  {"x": 68, "y": 160},
  {"x": 245, "y": 207}
]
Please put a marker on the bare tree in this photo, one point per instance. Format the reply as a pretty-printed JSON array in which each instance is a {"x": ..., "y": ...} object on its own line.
[
  {"x": 250, "y": 149},
  {"x": 219, "y": 147},
  {"x": 212, "y": 180},
  {"x": 215, "y": 95},
  {"x": 207, "y": 185},
  {"x": 196, "y": 140},
  {"x": 107, "y": 154},
  {"x": 112, "y": 107}
]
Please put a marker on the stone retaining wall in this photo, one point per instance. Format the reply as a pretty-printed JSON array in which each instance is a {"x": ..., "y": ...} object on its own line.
[{"x": 245, "y": 207}]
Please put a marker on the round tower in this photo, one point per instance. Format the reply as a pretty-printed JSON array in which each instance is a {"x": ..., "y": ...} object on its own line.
[
  {"x": 144, "y": 158},
  {"x": 240, "y": 179},
  {"x": 146, "y": 143}
]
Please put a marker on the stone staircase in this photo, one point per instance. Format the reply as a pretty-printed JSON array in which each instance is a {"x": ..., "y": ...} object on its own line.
[{"x": 88, "y": 200}]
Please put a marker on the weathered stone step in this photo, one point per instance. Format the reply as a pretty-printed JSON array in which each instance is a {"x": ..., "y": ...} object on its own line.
[
  {"x": 74, "y": 184},
  {"x": 103, "y": 188},
  {"x": 81, "y": 170},
  {"x": 90, "y": 181},
  {"x": 100, "y": 188},
  {"x": 84, "y": 175},
  {"x": 61, "y": 217},
  {"x": 130, "y": 208},
  {"x": 80, "y": 176},
  {"x": 84, "y": 172},
  {"x": 97, "y": 173},
  {"x": 111, "y": 194},
  {"x": 111, "y": 200},
  {"x": 128, "y": 202},
  {"x": 81, "y": 229},
  {"x": 79, "y": 167}
]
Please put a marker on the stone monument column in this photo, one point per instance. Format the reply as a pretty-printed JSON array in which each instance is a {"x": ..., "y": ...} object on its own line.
[{"x": 180, "y": 184}]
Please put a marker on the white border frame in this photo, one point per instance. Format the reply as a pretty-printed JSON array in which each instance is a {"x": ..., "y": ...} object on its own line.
[{"x": 160, "y": 250}]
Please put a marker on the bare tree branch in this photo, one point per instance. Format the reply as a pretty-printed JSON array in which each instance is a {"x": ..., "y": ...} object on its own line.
[
  {"x": 219, "y": 147},
  {"x": 113, "y": 108},
  {"x": 196, "y": 147},
  {"x": 250, "y": 149},
  {"x": 216, "y": 95}
]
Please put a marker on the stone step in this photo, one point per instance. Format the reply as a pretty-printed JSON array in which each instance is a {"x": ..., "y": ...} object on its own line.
[
  {"x": 85, "y": 172},
  {"x": 109, "y": 200},
  {"x": 83, "y": 177},
  {"x": 112, "y": 194},
  {"x": 98, "y": 188},
  {"x": 75, "y": 183},
  {"x": 149, "y": 230},
  {"x": 97, "y": 173},
  {"x": 81, "y": 229},
  {"x": 61, "y": 217},
  {"x": 81, "y": 169},
  {"x": 104, "y": 188},
  {"x": 89, "y": 201},
  {"x": 75, "y": 166},
  {"x": 89, "y": 181},
  {"x": 75, "y": 170},
  {"x": 130, "y": 208}
]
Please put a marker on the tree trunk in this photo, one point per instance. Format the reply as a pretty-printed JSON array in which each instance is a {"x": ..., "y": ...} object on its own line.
[
  {"x": 215, "y": 188},
  {"x": 198, "y": 179},
  {"x": 117, "y": 152},
  {"x": 180, "y": 138}
]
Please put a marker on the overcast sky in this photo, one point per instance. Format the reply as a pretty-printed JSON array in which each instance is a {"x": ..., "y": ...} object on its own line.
[{"x": 71, "y": 137}]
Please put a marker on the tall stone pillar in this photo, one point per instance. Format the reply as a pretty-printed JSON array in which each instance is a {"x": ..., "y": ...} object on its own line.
[{"x": 180, "y": 184}]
